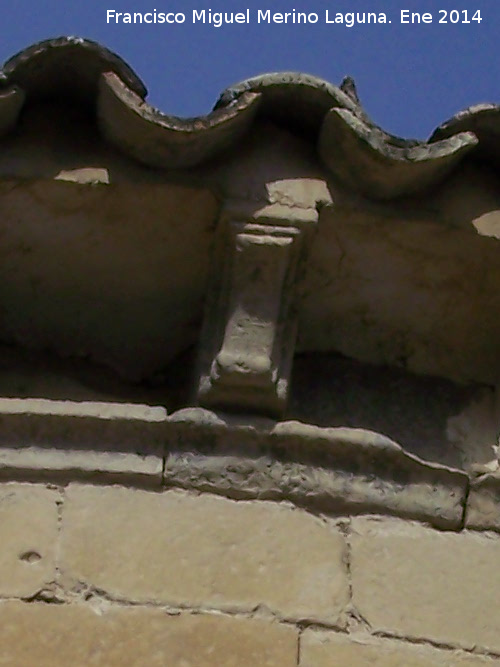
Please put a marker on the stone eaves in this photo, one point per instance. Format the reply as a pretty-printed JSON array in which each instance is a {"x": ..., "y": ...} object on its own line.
[
  {"x": 401, "y": 283},
  {"x": 413, "y": 290},
  {"x": 352, "y": 147}
]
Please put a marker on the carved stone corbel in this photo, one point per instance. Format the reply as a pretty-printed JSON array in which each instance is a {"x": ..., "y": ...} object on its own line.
[{"x": 249, "y": 332}]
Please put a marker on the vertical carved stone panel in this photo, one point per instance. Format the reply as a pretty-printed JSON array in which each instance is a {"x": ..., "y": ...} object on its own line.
[{"x": 249, "y": 332}]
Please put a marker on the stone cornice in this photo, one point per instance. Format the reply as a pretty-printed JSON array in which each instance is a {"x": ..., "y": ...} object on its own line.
[
  {"x": 258, "y": 270},
  {"x": 327, "y": 470}
]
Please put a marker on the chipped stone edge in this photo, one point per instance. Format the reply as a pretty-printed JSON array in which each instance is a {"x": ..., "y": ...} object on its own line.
[
  {"x": 474, "y": 118},
  {"x": 159, "y": 140},
  {"x": 326, "y": 470},
  {"x": 483, "y": 504},
  {"x": 61, "y": 441}
]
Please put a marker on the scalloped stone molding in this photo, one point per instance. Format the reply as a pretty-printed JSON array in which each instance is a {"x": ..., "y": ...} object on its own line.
[{"x": 348, "y": 141}]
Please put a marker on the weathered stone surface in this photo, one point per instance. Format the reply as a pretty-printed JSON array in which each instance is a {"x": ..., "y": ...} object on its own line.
[
  {"x": 61, "y": 440},
  {"x": 84, "y": 409},
  {"x": 60, "y": 465},
  {"x": 400, "y": 287},
  {"x": 98, "y": 282},
  {"x": 78, "y": 635},
  {"x": 108, "y": 426},
  {"x": 250, "y": 325},
  {"x": 315, "y": 468},
  {"x": 325, "y": 649},
  {"x": 416, "y": 582},
  {"x": 248, "y": 338},
  {"x": 483, "y": 503},
  {"x": 165, "y": 141},
  {"x": 203, "y": 551},
  {"x": 282, "y": 213},
  {"x": 431, "y": 417},
  {"x": 333, "y": 470},
  {"x": 84, "y": 176},
  {"x": 272, "y": 165},
  {"x": 28, "y": 537}
]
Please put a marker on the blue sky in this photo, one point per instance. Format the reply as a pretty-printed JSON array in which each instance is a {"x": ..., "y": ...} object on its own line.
[{"x": 410, "y": 77}]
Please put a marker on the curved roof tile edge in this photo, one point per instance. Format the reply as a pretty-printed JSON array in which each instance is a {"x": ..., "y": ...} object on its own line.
[
  {"x": 350, "y": 145},
  {"x": 82, "y": 57}
]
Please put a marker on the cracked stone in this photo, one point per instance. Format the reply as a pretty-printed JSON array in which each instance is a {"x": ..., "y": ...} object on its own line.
[{"x": 325, "y": 649}]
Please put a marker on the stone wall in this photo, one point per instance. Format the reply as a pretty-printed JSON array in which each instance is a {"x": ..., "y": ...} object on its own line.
[{"x": 114, "y": 575}]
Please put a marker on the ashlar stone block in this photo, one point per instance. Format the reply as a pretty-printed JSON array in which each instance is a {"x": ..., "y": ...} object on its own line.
[
  {"x": 416, "y": 582},
  {"x": 49, "y": 635},
  {"x": 203, "y": 552}
]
